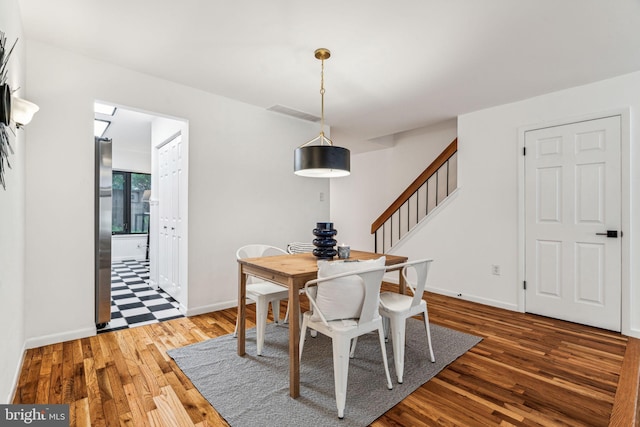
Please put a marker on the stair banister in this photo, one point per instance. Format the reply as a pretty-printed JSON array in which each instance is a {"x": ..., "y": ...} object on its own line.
[{"x": 432, "y": 169}]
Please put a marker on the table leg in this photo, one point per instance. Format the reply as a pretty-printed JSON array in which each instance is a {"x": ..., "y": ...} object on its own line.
[
  {"x": 294, "y": 340},
  {"x": 242, "y": 309},
  {"x": 402, "y": 284}
]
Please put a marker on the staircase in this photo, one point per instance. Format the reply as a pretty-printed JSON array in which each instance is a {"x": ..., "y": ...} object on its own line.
[{"x": 420, "y": 198}]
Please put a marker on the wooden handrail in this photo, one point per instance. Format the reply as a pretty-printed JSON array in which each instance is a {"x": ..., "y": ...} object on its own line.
[{"x": 416, "y": 184}]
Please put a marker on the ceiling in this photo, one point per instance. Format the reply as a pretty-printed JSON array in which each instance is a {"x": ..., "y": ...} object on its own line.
[
  {"x": 130, "y": 130},
  {"x": 395, "y": 65}
]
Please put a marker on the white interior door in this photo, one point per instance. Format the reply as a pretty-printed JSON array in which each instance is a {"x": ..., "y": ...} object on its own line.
[
  {"x": 170, "y": 233},
  {"x": 164, "y": 245},
  {"x": 573, "y": 197},
  {"x": 176, "y": 217}
]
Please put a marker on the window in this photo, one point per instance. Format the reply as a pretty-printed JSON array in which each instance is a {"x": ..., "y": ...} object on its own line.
[{"x": 130, "y": 212}]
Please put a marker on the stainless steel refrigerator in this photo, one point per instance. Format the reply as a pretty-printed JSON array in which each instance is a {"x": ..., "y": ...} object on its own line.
[{"x": 103, "y": 231}]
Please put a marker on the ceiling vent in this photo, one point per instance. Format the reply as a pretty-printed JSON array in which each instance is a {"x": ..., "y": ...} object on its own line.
[{"x": 294, "y": 113}]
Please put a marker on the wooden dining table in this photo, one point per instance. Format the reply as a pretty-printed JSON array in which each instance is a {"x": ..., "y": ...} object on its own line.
[{"x": 292, "y": 271}]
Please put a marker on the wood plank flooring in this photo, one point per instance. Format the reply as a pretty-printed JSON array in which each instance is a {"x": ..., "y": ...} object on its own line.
[{"x": 527, "y": 371}]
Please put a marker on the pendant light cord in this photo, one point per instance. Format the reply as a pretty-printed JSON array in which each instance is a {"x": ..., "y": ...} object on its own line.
[
  {"x": 322, "y": 98},
  {"x": 321, "y": 54}
]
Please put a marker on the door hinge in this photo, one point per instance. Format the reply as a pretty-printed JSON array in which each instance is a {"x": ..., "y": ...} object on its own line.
[
  {"x": 524, "y": 151},
  {"x": 524, "y": 284}
]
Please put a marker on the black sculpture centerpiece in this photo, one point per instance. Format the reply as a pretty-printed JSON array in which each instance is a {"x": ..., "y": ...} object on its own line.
[{"x": 324, "y": 241}]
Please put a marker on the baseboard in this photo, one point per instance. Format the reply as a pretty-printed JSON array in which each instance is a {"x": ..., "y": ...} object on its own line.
[
  {"x": 393, "y": 279},
  {"x": 212, "y": 307},
  {"x": 56, "y": 338},
  {"x": 632, "y": 332},
  {"x": 474, "y": 298},
  {"x": 182, "y": 309}
]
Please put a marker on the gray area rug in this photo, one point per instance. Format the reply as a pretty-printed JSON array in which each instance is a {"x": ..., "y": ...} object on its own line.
[{"x": 254, "y": 390}]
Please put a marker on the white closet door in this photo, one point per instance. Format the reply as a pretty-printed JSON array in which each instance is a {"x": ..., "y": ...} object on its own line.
[
  {"x": 573, "y": 197},
  {"x": 170, "y": 234}
]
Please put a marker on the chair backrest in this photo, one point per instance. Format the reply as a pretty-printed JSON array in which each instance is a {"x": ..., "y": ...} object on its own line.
[
  {"x": 257, "y": 250},
  {"x": 300, "y": 247},
  {"x": 372, "y": 284},
  {"x": 420, "y": 269},
  {"x": 370, "y": 280}
]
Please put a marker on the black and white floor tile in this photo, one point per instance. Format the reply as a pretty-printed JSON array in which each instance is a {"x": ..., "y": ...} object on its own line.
[{"x": 133, "y": 301}]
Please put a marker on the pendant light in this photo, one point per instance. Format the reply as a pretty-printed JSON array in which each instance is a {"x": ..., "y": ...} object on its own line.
[{"x": 322, "y": 160}]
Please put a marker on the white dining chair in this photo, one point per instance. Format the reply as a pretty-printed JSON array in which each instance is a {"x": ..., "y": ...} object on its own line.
[
  {"x": 397, "y": 308},
  {"x": 262, "y": 292},
  {"x": 345, "y": 315},
  {"x": 300, "y": 247}
]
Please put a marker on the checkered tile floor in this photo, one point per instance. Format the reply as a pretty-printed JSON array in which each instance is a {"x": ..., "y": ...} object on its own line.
[{"x": 133, "y": 302}]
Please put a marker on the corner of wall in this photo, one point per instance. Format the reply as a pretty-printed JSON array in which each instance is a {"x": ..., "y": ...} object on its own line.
[{"x": 12, "y": 222}]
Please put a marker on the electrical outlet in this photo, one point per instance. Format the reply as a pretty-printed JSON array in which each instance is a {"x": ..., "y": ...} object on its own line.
[{"x": 495, "y": 270}]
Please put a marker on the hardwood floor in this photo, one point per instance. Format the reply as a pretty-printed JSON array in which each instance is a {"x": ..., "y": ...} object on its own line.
[{"x": 527, "y": 371}]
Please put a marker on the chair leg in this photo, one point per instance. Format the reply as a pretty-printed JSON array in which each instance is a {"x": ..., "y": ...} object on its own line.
[
  {"x": 398, "y": 328},
  {"x": 286, "y": 315},
  {"x": 275, "y": 308},
  {"x": 428, "y": 329},
  {"x": 384, "y": 358},
  {"x": 262, "y": 310},
  {"x": 352, "y": 353},
  {"x": 385, "y": 326},
  {"x": 340, "y": 372}
]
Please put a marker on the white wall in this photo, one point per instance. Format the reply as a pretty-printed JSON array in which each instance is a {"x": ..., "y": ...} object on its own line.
[
  {"x": 128, "y": 246},
  {"x": 241, "y": 185},
  {"x": 131, "y": 160},
  {"x": 131, "y": 152},
  {"x": 378, "y": 177},
  {"x": 479, "y": 227},
  {"x": 490, "y": 137},
  {"x": 243, "y": 189},
  {"x": 12, "y": 224}
]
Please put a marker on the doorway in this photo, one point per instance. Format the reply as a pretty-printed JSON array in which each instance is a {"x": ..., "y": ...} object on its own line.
[
  {"x": 573, "y": 222},
  {"x": 136, "y": 298}
]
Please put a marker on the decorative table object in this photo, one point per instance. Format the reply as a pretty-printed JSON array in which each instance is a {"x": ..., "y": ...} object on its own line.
[
  {"x": 324, "y": 241},
  {"x": 344, "y": 251}
]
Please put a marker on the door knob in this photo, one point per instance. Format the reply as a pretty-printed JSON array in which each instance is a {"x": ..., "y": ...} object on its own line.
[{"x": 609, "y": 233}]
